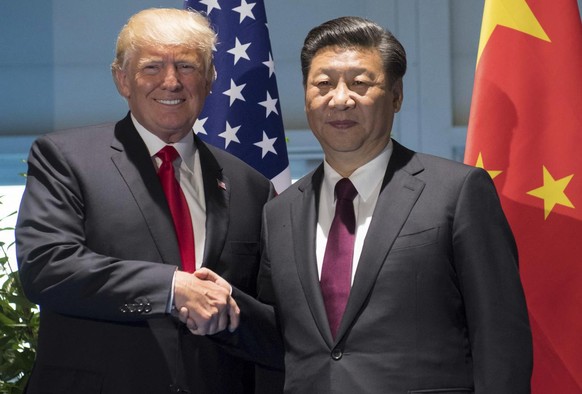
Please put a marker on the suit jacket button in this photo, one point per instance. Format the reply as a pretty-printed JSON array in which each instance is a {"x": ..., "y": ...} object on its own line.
[{"x": 336, "y": 354}]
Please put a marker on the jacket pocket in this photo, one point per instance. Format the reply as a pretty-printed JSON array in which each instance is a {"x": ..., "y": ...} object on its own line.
[{"x": 420, "y": 238}]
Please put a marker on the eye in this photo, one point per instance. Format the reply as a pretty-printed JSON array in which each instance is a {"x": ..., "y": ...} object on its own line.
[
  {"x": 360, "y": 86},
  {"x": 361, "y": 82},
  {"x": 151, "y": 69},
  {"x": 186, "y": 68}
]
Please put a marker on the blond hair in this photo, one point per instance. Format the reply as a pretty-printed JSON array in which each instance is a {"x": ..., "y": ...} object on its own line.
[{"x": 162, "y": 27}]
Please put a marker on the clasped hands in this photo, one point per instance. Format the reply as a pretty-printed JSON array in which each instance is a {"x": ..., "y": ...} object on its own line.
[{"x": 204, "y": 303}]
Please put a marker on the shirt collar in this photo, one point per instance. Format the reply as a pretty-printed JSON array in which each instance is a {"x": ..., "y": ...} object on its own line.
[
  {"x": 366, "y": 178},
  {"x": 186, "y": 147}
]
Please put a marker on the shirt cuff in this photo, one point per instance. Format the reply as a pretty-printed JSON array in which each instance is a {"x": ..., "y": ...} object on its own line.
[{"x": 170, "y": 308}]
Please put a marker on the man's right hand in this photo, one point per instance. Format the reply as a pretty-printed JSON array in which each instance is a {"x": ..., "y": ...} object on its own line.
[{"x": 204, "y": 302}]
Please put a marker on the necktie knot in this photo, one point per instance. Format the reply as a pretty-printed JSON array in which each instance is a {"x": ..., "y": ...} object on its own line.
[
  {"x": 168, "y": 154},
  {"x": 345, "y": 190}
]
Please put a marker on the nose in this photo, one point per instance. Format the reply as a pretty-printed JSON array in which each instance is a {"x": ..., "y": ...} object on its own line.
[
  {"x": 171, "y": 78},
  {"x": 341, "y": 97}
]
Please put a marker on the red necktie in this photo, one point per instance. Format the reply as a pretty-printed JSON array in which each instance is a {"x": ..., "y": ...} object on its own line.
[
  {"x": 336, "y": 272},
  {"x": 178, "y": 207}
]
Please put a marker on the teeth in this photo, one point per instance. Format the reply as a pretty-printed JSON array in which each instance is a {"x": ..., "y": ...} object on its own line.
[{"x": 169, "y": 102}]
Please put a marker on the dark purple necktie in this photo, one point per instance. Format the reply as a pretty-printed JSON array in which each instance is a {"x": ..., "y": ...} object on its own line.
[
  {"x": 336, "y": 272},
  {"x": 178, "y": 207}
]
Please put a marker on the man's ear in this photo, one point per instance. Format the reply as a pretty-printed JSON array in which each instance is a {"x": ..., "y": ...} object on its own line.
[
  {"x": 210, "y": 78},
  {"x": 398, "y": 95},
  {"x": 121, "y": 82}
]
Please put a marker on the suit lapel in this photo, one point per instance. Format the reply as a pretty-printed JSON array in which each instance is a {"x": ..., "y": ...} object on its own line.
[
  {"x": 399, "y": 192},
  {"x": 304, "y": 224},
  {"x": 217, "y": 196},
  {"x": 134, "y": 164}
]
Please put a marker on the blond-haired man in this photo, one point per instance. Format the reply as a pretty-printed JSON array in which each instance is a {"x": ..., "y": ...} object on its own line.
[{"x": 97, "y": 245}]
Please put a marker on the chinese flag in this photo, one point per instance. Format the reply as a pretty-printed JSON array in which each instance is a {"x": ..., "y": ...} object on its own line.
[{"x": 525, "y": 129}]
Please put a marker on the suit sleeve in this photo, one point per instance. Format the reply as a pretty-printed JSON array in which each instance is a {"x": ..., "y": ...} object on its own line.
[
  {"x": 487, "y": 265},
  {"x": 258, "y": 338},
  {"x": 57, "y": 269}
]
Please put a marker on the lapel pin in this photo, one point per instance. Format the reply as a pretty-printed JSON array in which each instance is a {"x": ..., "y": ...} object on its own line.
[{"x": 221, "y": 184}]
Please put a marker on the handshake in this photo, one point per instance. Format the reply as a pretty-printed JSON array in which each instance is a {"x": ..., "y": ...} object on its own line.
[{"x": 203, "y": 302}]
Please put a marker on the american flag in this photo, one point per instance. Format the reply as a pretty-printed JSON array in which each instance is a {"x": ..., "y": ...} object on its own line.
[{"x": 242, "y": 114}]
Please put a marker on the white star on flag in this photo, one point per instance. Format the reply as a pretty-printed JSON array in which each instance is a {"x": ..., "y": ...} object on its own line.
[
  {"x": 229, "y": 135},
  {"x": 270, "y": 104},
  {"x": 199, "y": 126},
  {"x": 235, "y": 92},
  {"x": 271, "y": 64},
  {"x": 245, "y": 10},
  {"x": 267, "y": 144},
  {"x": 210, "y": 5},
  {"x": 239, "y": 51}
]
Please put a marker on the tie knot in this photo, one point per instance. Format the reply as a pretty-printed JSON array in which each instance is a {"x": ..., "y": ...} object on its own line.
[
  {"x": 345, "y": 190},
  {"x": 168, "y": 154}
]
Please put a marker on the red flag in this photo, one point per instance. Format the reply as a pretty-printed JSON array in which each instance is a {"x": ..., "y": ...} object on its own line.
[{"x": 525, "y": 128}]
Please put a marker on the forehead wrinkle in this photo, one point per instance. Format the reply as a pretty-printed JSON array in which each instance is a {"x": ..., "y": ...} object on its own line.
[
  {"x": 336, "y": 61},
  {"x": 333, "y": 63},
  {"x": 346, "y": 70}
]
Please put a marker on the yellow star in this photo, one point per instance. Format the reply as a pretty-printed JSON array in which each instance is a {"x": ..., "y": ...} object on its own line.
[
  {"x": 492, "y": 173},
  {"x": 514, "y": 14},
  {"x": 552, "y": 192}
]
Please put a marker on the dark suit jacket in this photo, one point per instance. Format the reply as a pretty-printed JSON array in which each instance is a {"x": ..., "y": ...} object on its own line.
[
  {"x": 97, "y": 251},
  {"x": 436, "y": 304}
]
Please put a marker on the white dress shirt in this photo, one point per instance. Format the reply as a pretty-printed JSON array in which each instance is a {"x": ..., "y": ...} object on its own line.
[
  {"x": 367, "y": 181},
  {"x": 189, "y": 174}
]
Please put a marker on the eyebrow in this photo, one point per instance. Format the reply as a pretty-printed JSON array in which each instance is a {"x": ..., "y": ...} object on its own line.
[
  {"x": 349, "y": 71},
  {"x": 145, "y": 60}
]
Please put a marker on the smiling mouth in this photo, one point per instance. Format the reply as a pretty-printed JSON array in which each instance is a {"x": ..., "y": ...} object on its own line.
[{"x": 171, "y": 102}]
